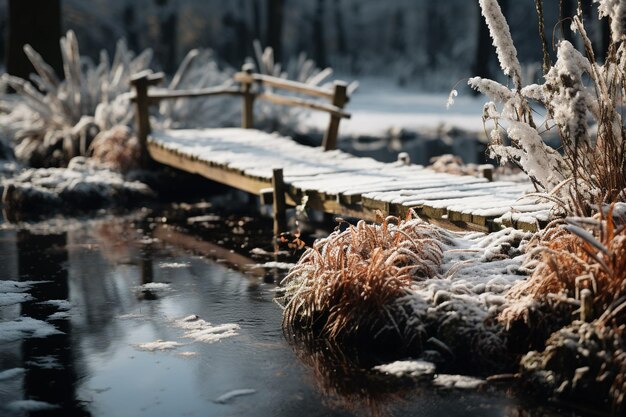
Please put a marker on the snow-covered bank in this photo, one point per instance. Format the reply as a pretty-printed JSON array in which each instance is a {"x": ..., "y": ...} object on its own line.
[
  {"x": 436, "y": 293},
  {"x": 82, "y": 186}
]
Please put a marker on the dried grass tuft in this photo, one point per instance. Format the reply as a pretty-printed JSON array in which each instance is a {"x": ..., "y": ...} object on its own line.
[
  {"x": 116, "y": 149},
  {"x": 572, "y": 255},
  {"x": 346, "y": 284}
]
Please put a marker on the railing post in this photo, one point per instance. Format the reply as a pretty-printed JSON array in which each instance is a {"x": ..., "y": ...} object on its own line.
[
  {"x": 340, "y": 98},
  {"x": 280, "y": 206},
  {"x": 247, "y": 112},
  {"x": 140, "y": 82}
]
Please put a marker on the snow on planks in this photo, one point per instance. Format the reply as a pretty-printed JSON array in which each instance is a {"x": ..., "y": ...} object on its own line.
[{"x": 343, "y": 184}]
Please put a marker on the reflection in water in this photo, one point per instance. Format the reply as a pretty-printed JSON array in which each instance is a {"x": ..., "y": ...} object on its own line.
[
  {"x": 99, "y": 266},
  {"x": 50, "y": 375},
  {"x": 345, "y": 380}
]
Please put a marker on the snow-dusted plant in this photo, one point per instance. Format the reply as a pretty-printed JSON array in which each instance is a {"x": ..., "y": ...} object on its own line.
[
  {"x": 87, "y": 89},
  {"x": 269, "y": 116},
  {"x": 583, "y": 101}
]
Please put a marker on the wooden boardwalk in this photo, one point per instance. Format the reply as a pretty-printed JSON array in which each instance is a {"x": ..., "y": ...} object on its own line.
[
  {"x": 336, "y": 182},
  {"x": 327, "y": 179}
]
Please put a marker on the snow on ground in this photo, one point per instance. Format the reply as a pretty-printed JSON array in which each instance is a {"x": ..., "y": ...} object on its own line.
[
  {"x": 379, "y": 105},
  {"x": 81, "y": 186}
]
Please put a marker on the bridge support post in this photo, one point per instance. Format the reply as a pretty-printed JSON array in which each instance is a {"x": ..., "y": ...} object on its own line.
[
  {"x": 280, "y": 206},
  {"x": 140, "y": 82},
  {"x": 247, "y": 112},
  {"x": 340, "y": 98}
]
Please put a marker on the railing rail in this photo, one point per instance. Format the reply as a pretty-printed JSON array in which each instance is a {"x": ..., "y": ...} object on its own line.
[{"x": 250, "y": 87}]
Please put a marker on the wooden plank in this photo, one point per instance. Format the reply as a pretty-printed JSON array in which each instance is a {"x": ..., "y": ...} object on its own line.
[
  {"x": 155, "y": 96},
  {"x": 281, "y": 83},
  {"x": 219, "y": 174},
  {"x": 307, "y": 104}
]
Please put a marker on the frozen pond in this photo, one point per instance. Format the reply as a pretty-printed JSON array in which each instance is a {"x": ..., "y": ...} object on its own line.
[{"x": 99, "y": 332}]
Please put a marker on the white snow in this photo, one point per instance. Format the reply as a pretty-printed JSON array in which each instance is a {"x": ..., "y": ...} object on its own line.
[
  {"x": 205, "y": 218},
  {"x": 59, "y": 315},
  {"x": 11, "y": 373},
  {"x": 155, "y": 286},
  {"x": 158, "y": 345},
  {"x": 45, "y": 362},
  {"x": 457, "y": 381},
  {"x": 173, "y": 265},
  {"x": 22, "y": 327},
  {"x": 224, "y": 398},
  {"x": 335, "y": 173},
  {"x": 63, "y": 305},
  {"x": 30, "y": 406},
  {"x": 274, "y": 264},
  {"x": 408, "y": 368},
  {"x": 7, "y": 299},
  {"x": 202, "y": 331}
]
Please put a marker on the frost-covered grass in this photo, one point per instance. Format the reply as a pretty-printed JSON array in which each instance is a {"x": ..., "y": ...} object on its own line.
[
  {"x": 582, "y": 99},
  {"x": 428, "y": 288}
]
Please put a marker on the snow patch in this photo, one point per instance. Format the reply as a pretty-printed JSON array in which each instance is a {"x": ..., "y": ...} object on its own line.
[
  {"x": 223, "y": 399},
  {"x": 274, "y": 264},
  {"x": 45, "y": 362},
  {"x": 173, "y": 265},
  {"x": 63, "y": 305},
  {"x": 409, "y": 368},
  {"x": 202, "y": 331},
  {"x": 11, "y": 373},
  {"x": 155, "y": 286},
  {"x": 59, "y": 315},
  {"x": 11, "y": 331},
  {"x": 457, "y": 381},
  {"x": 158, "y": 345},
  {"x": 30, "y": 406}
]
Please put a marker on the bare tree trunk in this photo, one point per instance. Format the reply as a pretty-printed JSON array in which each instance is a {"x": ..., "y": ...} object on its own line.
[
  {"x": 37, "y": 23},
  {"x": 342, "y": 46},
  {"x": 275, "y": 27},
  {"x": 318, "y": 35},
  {"x": 480, "y": 67}
]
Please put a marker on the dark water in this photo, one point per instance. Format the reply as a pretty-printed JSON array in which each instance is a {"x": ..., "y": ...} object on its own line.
[{"x": 94, "y": 366}]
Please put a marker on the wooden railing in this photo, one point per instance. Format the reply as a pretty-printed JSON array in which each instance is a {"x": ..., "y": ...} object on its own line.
[{"x": 250, "y": 86}]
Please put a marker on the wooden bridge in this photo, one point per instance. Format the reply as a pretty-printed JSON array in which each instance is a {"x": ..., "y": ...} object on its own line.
[{"x": 283, "y": 172}]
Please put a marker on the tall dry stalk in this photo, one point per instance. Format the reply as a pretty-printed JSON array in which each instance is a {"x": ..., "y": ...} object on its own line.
[{"x": 583, "y": 103}]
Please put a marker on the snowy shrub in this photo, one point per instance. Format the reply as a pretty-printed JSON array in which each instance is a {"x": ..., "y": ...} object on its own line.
[
  {"x": 50, "y": 114},
  {"x": 582, "y": 100}
]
